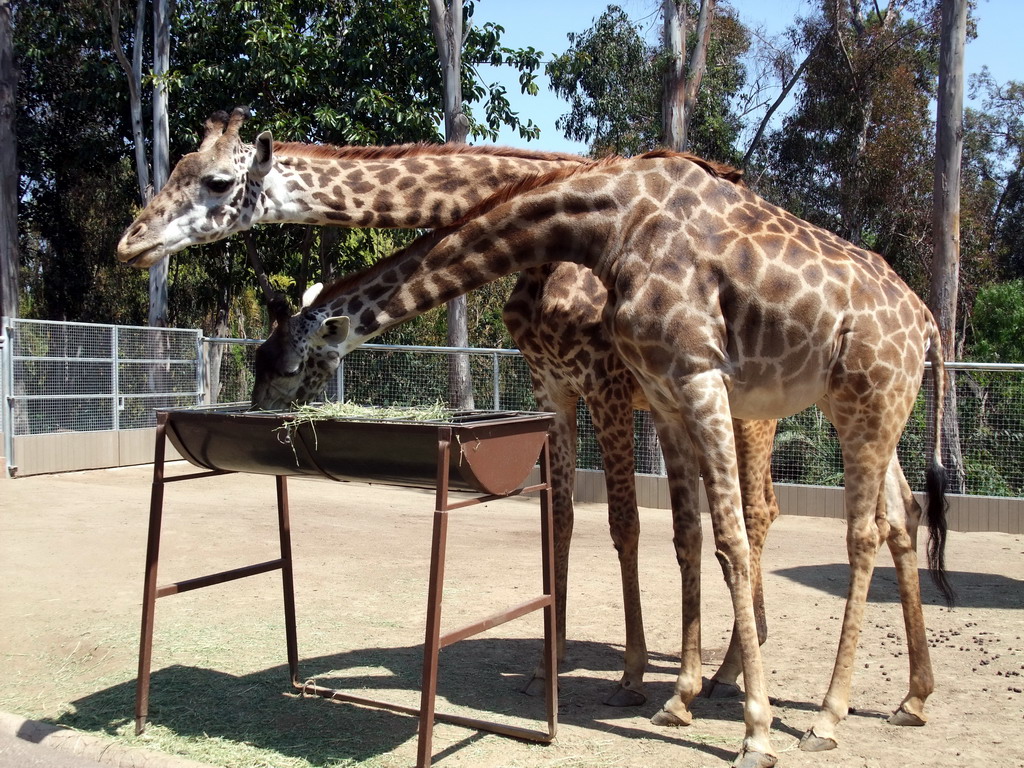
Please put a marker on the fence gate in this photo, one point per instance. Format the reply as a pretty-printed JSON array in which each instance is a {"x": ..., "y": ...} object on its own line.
[{"x": 82, "y": 396}]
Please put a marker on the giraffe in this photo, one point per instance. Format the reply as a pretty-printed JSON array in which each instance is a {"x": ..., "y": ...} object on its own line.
[
  {"x": 723, "y": 306},
  {"x": 553, "y": 314}
]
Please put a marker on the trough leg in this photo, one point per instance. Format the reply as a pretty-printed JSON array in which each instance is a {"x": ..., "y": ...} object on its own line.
[
  {"x": 287, "y": 578},
  {"x": 156, "y": 507}
]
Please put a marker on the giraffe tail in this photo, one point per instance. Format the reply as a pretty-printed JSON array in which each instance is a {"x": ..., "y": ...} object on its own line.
[{"x": 935, "y": 478}]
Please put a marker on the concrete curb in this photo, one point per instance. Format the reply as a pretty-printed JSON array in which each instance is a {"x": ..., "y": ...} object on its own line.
[{"x": 89, "y": 747}]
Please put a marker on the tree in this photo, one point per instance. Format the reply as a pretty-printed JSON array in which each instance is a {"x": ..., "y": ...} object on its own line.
[
  {"x": 311, "y": 72},
  {"x": 679, "y": 98},
  {"x": 161, "y": 146},
  {"x": 75, "y": 188},
  {"x": 946, "y": 216},
  {"x": 616, "y": 84},
  {"x": 133, "y": 73},
  {"x": 609, "y": 79},
  {"x": 854, "y": 155},
  {"x": 993, "y": 180},
  {"x": 446, "y": 24},
  {"x": 9, "y": 256}
]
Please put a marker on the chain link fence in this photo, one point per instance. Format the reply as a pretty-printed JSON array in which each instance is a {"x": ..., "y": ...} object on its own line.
[
  {"x": 78, "y": 377},
  {"x": 990, "y": 406},
  {"x": 71, "y": 377}
]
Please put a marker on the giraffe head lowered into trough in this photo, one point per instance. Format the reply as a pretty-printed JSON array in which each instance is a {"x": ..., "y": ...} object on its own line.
[
  {"x": 722, "y": 305},
  {"x": 554, "y": 313}
]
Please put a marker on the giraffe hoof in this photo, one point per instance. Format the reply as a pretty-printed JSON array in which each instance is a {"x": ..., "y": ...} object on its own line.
[
  {"x": 811, "y": 742},
  {"x": 714, "y": 689},
  {"x": 902, "y": 717},
  {"x": 671, "y": 720},
  {"x": 626, "y": 697},
  {"x": 750, "y": 759}
]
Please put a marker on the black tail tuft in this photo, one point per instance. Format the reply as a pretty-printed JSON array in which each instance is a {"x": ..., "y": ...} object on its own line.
[{"x": 935, "y": 483}]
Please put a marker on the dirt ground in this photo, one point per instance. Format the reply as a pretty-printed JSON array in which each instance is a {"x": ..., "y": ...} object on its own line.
[{"x": 71, "y": 562}]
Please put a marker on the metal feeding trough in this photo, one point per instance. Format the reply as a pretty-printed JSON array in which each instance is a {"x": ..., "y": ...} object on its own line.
[{"x": 492, "y": 451}]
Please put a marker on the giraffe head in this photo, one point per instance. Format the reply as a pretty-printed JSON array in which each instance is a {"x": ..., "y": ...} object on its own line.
[
  {"x": 210, "y": 194},
  {"x": 300, "y": 355}
]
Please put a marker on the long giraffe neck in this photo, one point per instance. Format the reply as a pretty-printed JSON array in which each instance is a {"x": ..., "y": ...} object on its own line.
[
  {"x": 499, "y": 238},
  {"x": 411, "y": 186}
]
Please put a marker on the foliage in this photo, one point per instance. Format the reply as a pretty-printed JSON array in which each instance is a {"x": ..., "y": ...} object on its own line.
[
  {"x": 613, "y": 81},
  {"x": 998, "y": 320},
  {"x": 854, "y": 154},
  {"x": 75, "y": 186},
  {"x": 807, "y": 451},
  {"x": 994, "y": 160},
  {"x": 608, "y": 77},
  {"x": 344, "y": 72}
]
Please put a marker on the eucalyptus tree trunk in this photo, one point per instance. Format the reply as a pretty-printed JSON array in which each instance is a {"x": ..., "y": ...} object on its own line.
[
  {"x": 446, "y": 24},
  {"x": 9, "y": 256},
  {"x": 133, "y": 72},
  {"x": 214, "y": 353},
  {"x": 682, "y": 77},
  {"x": 946, "y": 215},
  {"x": 161, "y": 150}
]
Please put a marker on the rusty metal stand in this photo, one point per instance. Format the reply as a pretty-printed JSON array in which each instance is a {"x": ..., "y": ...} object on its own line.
[{"x": 434, "y": 640}]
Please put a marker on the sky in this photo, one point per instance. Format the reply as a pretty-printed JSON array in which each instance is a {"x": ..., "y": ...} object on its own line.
[{"x": 544, "y": 24}]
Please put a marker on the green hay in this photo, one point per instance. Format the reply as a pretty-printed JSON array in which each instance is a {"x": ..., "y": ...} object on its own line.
[
  {"x": 311, "y": 414},
  {"x": 326, "y": 411}
]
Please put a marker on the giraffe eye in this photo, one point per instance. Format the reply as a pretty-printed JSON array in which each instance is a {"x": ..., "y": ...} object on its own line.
[{"x": 218, "y": 185}]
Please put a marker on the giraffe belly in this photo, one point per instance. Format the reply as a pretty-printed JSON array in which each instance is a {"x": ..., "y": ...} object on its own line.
[{"x": 761, "y": 399}]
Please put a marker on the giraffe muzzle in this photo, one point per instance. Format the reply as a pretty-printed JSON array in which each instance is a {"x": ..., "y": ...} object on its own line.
[{"x": 144, "y": 259}]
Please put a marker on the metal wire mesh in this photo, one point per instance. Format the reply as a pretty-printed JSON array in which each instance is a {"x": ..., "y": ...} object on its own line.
[
  {"x": 75, "y": 377},
  {"x": 235, "y": 379},
  {"x": 990, "y": 408},
  {"x": 990, "y": 419}
]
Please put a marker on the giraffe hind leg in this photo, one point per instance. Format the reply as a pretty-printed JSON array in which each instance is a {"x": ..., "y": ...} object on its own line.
[
  {"x": 903, "y": 513},
  {"x": 612, "y": 416},
  {"x": 867, "y": 526}
]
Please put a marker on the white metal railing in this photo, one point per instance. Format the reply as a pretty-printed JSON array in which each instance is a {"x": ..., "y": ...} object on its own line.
[{"x": 137, "y": 380}]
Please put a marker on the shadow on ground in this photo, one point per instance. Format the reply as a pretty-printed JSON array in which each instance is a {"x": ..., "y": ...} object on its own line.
[
  {"x": 262, "y": 710},
  {"x": 973, "y": 590}
]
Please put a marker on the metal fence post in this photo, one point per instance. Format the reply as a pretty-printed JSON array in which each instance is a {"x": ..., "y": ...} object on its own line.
[
  {"x": 7, "y": 394},
  {"x": 115, "y": 378},
  {"x": 201, "y": 388},
  {"x": 496, "y": 380}
]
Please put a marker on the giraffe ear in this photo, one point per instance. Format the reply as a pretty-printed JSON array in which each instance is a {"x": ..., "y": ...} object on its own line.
[
  {"x": 335, "y": 329},
  {"x": 264, "y": 157}
]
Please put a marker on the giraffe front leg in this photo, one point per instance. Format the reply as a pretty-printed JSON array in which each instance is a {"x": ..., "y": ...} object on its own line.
[
  {"x": 612, "y": 416},
  {"x": 760, "y": 509},
  {"x": 562, "y": 437},
  {"x": 708, "y": 420}
]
